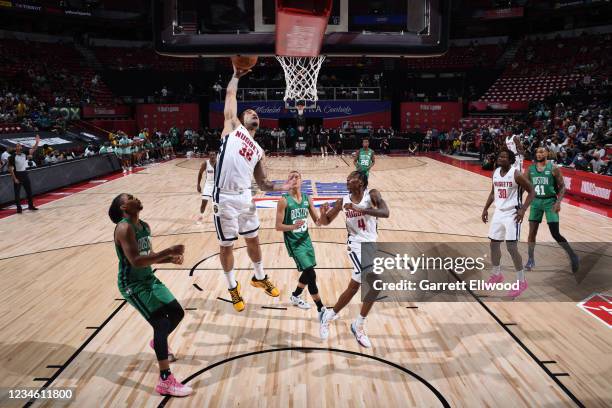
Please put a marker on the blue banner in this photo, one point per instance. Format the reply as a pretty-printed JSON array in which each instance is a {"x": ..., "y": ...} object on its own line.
[{"x": 324, "y": 109}]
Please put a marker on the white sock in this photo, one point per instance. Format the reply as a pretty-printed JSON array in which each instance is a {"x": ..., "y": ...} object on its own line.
[
  {"x": 497, "y": 270},
  {"x": 331, "y": 313},
  {"x": 521, "y": 275},
  {"x": 259, "y": 271},
  {"x": 360, "y": 320},
  {"x": 231, "y": 279}
]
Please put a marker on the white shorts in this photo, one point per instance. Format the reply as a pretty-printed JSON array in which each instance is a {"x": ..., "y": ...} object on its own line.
[
  {"x": 354, "y": 255},
  {"x": 235, "y": 214},
  {"x": 504, "y": 227},
  {"x": 208, "y": 191}
]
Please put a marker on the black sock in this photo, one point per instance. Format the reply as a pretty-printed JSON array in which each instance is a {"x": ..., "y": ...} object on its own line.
[
  {"x": 164, "y": 374},
  {"x": 319, "y": 304},
  {"x": 298, "y": 291}
]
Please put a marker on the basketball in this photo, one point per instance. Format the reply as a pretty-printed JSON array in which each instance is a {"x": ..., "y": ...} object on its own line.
[{"x": 244, "y": 63}]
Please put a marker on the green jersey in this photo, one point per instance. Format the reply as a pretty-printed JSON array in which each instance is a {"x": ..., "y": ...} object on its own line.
[
  {"x": 543, "y": 182},
  {"x": 298, "y": 242},
  {"x": 293, "y": 212},
  {"x": 364, "y": 159},
  {"x": 123, "y": 145},
  {"x": 130, "y": 276}
]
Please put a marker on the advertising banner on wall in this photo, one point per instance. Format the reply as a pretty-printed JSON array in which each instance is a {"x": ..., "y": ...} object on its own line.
[
  {"x": 596, "y": 187},
  {"x": 164, "y": 116},
  {"x": 66, "y": 112},
  {"x": 512, "y": 106},
  {"x": 99, "y": 112},
  {"x": 426, "y": 115},
  {"x": 496, "y": 14},
  {"x": 333, "y": 113}
]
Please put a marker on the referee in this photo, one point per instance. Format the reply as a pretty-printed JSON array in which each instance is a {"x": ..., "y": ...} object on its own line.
[{"x": 18, "y": 163}]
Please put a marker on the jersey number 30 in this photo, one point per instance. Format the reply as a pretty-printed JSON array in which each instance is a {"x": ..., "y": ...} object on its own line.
[
  {"x": 246, "y": 152},
  {"x": 503, "y": 193}
]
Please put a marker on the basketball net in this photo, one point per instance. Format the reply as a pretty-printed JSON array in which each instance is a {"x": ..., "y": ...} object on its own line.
[
  {"x": 301, "y": 75},
  {"x": 299, "y": 37}
]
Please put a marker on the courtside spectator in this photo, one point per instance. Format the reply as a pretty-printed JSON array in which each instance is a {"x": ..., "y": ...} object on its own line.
[{"x": 4, "y": 157}]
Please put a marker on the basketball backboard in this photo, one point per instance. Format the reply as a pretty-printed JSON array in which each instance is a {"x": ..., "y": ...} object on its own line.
[{"x": 355, "y": 28}]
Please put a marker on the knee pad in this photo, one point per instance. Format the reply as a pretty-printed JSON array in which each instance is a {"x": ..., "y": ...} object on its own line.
[
  {"x": 175, "y": 312},
  {"x": 554, "y": 231},
  {"x": 304, "y": 278},
  {"x": 312, "y": 281}
]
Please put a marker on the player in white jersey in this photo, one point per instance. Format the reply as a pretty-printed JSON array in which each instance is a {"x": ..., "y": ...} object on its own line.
[
  {"x": 513, "y": 143},
  {"x": 506, "y": 192},
  {"x": 361, "y": 207},
  {"x": 209, "y": 167},
  {"x": 240, "y": 158}
]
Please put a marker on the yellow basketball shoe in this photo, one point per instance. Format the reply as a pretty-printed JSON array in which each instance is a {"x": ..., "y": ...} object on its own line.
[
  {"x": 237, "y": 300},
  {"x": 266, "y": 285}
]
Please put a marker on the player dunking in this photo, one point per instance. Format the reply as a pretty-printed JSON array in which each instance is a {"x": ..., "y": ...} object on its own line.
[
  {"x": 292, "y": 219},
  {"x": 513, "y": 143},
  {"x": 361, "y": 207},
  {"x": 209, "y": 167},
  {"x": 549, "y": 189},
  {"x": 506, "y": 192},
  {"x": 364, "y": 159},
  {"x": 235, "y": 213},
  {"x": 141, "y": 289}
]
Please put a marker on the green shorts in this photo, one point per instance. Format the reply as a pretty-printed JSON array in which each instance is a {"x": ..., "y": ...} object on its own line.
[
  {"x": 304, "y": 256},
  {"x": 541, "y": 206},
  {"x": 147, "y": 297}
]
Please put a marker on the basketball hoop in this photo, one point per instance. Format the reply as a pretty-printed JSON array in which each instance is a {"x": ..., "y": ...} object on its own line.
[
  {"x": 301, "y": 75},
  {"x": 299, "y": 36}
]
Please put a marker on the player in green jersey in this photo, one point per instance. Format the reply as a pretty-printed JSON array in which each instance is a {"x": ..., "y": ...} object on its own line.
[
  {"x": 141, "y": 289},
  {"x": 549, "y": 191},
  {"x": 292, "y": 219},
  {"x": 364, "y": 159}
]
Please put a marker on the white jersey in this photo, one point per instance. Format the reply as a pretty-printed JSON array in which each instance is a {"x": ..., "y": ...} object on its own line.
[
  {"x": 506, "y": 191},
  {"x": 236, "y": 161},
  {"x": 361, "y": 227},
  {"x": 210, "y": 174},
  {"x": 510, "y": 143}
]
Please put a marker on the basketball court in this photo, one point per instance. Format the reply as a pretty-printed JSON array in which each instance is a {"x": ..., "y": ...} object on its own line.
[
  {"x": 74, "y": 330},
  {"x": 65, "y": 324}
]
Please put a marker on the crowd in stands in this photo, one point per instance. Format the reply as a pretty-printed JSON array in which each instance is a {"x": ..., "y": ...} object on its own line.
[
  {"x": 577, "y": 135},
  {"x": 46, "y": 155},
  {"x": 584, "y": 54},
  {"x": 55, "y": 72},
  {"x": 18, "y": 107}
]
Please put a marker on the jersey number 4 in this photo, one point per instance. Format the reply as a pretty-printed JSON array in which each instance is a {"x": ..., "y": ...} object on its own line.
[
  {"x": 246, "y": 152},
  {"x": 361, "y": 224}
]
